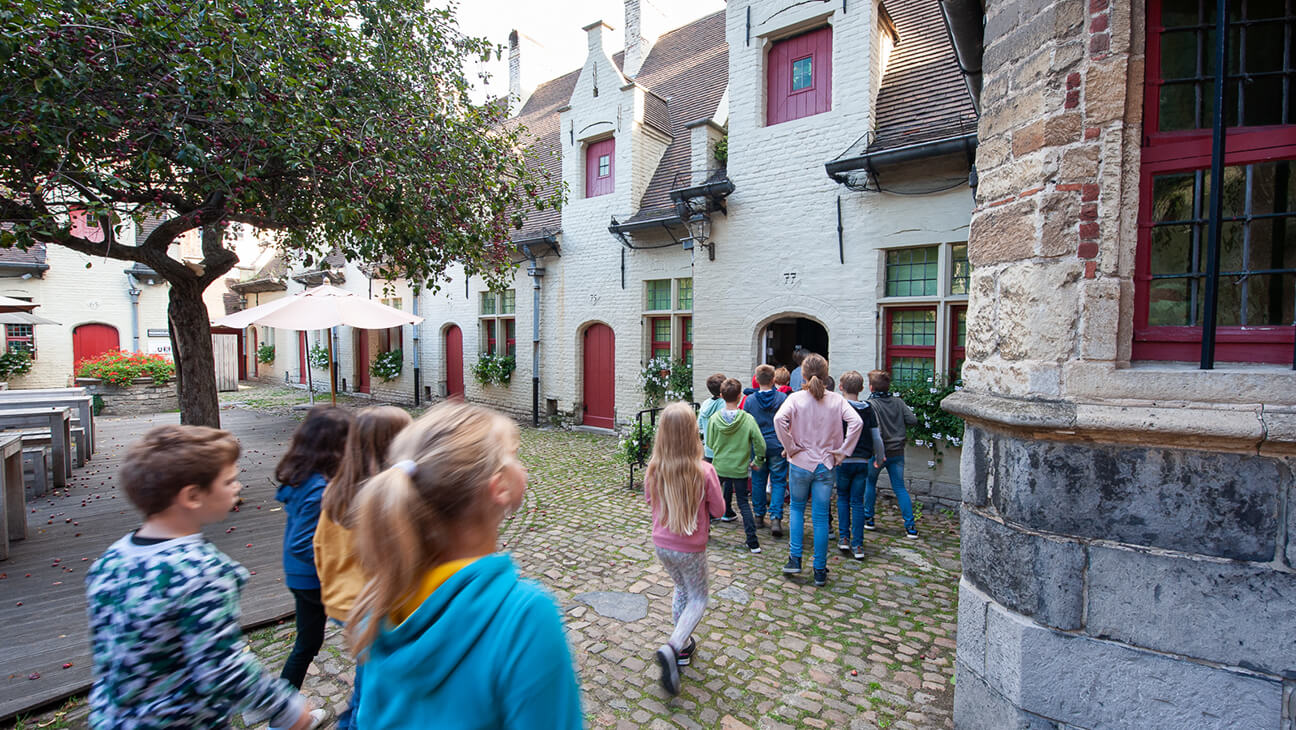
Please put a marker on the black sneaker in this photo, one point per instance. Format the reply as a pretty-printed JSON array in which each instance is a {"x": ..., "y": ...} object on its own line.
[
  {"x": 868, "y": 524},
  {"x": 685, "y": 657},
  {"x": 760, "y": 521},
  {"x": 755, "y": 549},
  {"x": 729, "y": 518},
  {"x": 911, "y": 533},
  {"x": 777, "y": 529},
  {"x": 793, "y": 565},
  {"x": 667, "y": 658},
  {"x": 820, "y": 576}
]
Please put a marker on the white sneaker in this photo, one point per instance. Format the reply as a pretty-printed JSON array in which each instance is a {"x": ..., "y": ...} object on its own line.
[
  {"x": 318, "y": 716},
  {"x": 756, "y": 550},
  {"x": 859, "y": 553},
  {"x": 843, "y": 546}
]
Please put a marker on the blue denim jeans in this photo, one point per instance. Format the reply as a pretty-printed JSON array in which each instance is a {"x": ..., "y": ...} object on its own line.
[
  {"x": 775, "y": 473},
  {"x": 895, "y": 474},
  {"x": 852, "y": 482},
  {"x": 816, "y": 487}
]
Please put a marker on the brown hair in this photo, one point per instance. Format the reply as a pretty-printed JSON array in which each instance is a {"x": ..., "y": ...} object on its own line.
[
  {"x": 169, "y": 458},
  {"x": 799, "y": 356},
  {"x": 731, "y": 390},
  {"x": 782, "y": 376},
  {"x": 852, "y": 382},
  {"x": 764, "y": 375},
  {"x": 371, "y": 435},
  {"x": 406, "y": 515},
  {"x": 713, "y": 384},
  {"x": 316, "y": 446},
  {"x": 830, "y": 384},
  {"x": 879, "y": 380},
  {"x": 814, "y": 371}
]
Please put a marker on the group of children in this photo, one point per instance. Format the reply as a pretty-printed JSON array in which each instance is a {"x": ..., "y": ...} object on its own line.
[
  {"x": 391, "y": 530},
  {"x": 803, "y": 443}
]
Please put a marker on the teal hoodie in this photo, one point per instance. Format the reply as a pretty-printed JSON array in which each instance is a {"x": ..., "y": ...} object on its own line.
[{"x": 485, "y": 650}]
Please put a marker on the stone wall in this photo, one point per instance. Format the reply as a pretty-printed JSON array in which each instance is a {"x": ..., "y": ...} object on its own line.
[{"x": 140, "y": 398}]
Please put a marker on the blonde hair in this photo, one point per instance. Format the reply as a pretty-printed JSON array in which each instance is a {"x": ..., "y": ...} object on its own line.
[
  {"x": 405, "y": 516},
  {"x": 372, "y": 433},
  {"x": 674, "y": 476}
]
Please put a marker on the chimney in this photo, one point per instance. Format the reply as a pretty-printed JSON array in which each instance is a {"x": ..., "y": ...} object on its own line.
[
  {"x": 521, "y": 86},
  {"x": 594, "y": 36},
  {"x": 636, "y": 45}
]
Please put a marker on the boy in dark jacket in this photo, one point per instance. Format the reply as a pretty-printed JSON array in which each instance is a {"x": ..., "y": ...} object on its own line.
[
  {"x": 893, "y": 417},
  {"x": 852, "y": 474},
  {"x": 762, "y": 405}
]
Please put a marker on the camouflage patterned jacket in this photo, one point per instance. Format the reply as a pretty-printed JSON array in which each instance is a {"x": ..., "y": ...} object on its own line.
[{"x": 168, "y": 648}]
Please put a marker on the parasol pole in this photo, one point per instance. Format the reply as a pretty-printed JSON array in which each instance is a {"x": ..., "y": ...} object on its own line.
[
  {"x": 332, "y": 380},
  {"x": 310, "y": 376}
]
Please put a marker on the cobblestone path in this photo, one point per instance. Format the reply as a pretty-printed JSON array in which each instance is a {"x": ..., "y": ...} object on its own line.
[{"x": 873, "y": 648}]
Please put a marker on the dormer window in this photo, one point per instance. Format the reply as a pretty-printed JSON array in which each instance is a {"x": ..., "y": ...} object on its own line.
[
  {"x": 798, "y": 80},
  {"x": 599, "y": 167}
]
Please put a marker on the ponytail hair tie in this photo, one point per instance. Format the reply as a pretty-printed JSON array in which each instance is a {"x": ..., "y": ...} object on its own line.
[{"x": 407, "y": 466}]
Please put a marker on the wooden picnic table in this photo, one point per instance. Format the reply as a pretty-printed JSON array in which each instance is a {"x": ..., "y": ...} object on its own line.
[
  {"x": 58, "y": 420},
  {"x": 13, "y": 501},
  {"x": 76, "y": 398}
]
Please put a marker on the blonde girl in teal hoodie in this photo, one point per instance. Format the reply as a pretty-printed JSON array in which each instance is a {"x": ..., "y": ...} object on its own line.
[{"x": 450, "y": 635}]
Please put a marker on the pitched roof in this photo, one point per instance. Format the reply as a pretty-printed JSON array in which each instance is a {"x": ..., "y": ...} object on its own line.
[
  {"x": 689, "y": 69},
  {"x": 923, "y": 97},
  {"x": 32, "y": 258},
  {"x": 540, "y": 117}
]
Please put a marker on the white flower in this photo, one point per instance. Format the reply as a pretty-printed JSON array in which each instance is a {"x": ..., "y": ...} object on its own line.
[
  {"x": 933, "y": 390},
  {"x": 958, "y": 387},
  {"x": 931, "y": 465},
  {"x": 938, "y": 436},
  {"x": 929, "y": 380}
]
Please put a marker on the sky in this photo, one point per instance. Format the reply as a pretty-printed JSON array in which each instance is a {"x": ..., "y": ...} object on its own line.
[{"x": 556, "y": 26}]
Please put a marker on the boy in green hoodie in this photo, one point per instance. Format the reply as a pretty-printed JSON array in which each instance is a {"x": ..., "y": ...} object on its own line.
[{"x": 737, "y": 445}]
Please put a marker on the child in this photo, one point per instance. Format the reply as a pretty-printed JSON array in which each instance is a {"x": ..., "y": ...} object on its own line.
[
  {"x": 683, "y": 491},
  {"x": 164, "y": 603},
  {"x": 893, "y": 417},
  {"x": 708, "y": 409},
  {"x": 446, "y": 628},
  {"x": 340, "y": 576},
  {"x": 311, "y": 460},
  {"x": 781, "y": 379},
  {"x": 852, "y": 475},
  {"x": 735, "y": 437},
  {"x": 796, "y": 379},
  {"x": 762, "y": 405},
  {"x": 809, "y": 425}
]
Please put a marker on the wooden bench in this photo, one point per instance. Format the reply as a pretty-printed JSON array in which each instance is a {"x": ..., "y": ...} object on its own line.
[
  {"x": 36, "y": 470},
  {"x": 75, "y": 398},
  {"x": 57, "y": 422},
  {"x": 35, "y": 437},
  {"x": 13, "y": 507}
]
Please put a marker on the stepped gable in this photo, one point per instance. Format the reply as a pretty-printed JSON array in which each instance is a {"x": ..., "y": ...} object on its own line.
[{"x": 540, "y": 117}]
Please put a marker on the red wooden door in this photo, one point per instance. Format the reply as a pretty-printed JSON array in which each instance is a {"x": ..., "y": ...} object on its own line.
[
  {"x": 600, "y": 376},
  {"x": 92, "y": 340},
  {"x": 799, "y": 77},
  {"x": 301, "y": 357},
  {"x": 600, "y": 168},
  {"x": 361, "y": 350},
  {"x": 454, "y": 362}
]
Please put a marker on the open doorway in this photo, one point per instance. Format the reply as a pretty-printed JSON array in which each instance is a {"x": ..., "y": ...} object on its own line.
[{"x": 784, "y": 335}]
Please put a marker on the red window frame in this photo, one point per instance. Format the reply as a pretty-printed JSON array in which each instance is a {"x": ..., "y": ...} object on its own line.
[
  {"x": 489, "y": 326},
  {"x": 28, "y": 340},
  {"x": 894, "y": 351},
  {"x": 1184, "y": 151},
  {"x": 782, "y": 104},
  {"x": 655, "y": 344},
  {"x": 596, "y": 184},
  {"x": 957, "y": 352},
  {"x": 686, "y": 339},
  {"x": 510, "y": 337}
]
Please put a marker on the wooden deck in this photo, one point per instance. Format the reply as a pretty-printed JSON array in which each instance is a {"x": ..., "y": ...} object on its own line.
[{"x": 43, "y": 623}]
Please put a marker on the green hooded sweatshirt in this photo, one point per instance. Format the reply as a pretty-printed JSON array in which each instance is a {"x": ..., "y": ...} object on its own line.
[{"x": 733, "y": 443}]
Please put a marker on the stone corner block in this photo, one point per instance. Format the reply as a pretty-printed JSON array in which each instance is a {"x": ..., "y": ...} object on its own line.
[
  {"x": 974, "y": 465},
  {"x": 978, "y": 707}
]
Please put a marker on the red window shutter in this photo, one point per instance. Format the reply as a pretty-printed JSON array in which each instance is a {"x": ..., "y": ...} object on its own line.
[
  {"x": 783, "y": 104},
  {"x": 600, "y": 167}
]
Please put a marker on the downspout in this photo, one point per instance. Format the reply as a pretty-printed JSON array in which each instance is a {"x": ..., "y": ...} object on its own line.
[
  {"x": 536, "y": 272},
  {"x": 134, "y": 293},
  {"x": 418, "y": 387}
]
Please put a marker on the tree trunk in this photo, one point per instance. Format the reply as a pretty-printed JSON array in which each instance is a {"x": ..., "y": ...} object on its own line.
[{"x": 191, "y": 341}]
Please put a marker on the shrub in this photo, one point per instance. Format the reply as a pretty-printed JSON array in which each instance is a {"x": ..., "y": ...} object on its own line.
[
  {"x": 15, "y": 362},
  {"x": 666, "y": 380},
  {"x": 388, "y": 365},
  {"x": 120, "y": 368},
  {"x": 319, "y": 359},
  {"x": 265, "y": 354},
  {"x": 494, "y": 369},
  {"x": 636, "y": 446},
  {"x": 934, "y": 425}
]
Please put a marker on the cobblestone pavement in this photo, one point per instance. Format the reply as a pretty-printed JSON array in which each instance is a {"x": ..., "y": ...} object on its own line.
[{"x": 873, "y": 648}]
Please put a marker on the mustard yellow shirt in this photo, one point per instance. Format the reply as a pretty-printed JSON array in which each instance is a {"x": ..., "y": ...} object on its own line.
[
  {"x": 431, "y": 581},
  {"x": 338, "y": 567}
]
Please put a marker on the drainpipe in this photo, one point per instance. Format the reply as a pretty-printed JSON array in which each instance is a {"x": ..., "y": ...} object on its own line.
[
  {"x": 416, "y": 329},
  {"x": 536, "y": 272},
  {"x": 133, "y": 291}
]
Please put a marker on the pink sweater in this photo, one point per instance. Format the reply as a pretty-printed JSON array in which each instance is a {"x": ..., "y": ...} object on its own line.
[
  {"x": 712, "y": 505},
  {"x": 811, "y": 430}
]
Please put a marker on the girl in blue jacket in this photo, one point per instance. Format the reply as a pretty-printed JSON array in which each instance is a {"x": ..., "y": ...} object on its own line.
[
  {"x": 312, "y": 457},
  {"x": 450, "y": 635}
]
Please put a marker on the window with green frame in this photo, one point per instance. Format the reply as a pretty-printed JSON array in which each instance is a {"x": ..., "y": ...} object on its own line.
[
  {"x": 659, "y": 294},
  {"x": 488, "y": 302},
  {"x": 912, "y": 272},
  {"x": 685, "y": 298},
  {"x": 961, "y": 271},
  {"x": 508, "y": 301}
]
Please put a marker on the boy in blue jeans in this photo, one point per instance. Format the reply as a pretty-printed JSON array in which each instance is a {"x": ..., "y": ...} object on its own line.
[
  {"x": 164, "y": 603},
  {"x": 852, "y": 474},
  {"x": 893, "y": 417},
  {"x": 762, "y": 405}
]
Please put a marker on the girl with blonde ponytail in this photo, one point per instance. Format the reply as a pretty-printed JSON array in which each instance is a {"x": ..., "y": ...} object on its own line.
[
  {"x": 684, "y": 493},
  {"x": 448, "y": 633}
]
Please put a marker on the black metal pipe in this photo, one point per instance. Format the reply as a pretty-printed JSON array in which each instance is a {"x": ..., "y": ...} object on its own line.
[
  {"x": 841, "y": 247},
  {"x": 965, "y": 23},
  {"x": 418, "y": 387},
  {"x": 837, "y": 168},
  {"x": 1215, "y": 230}
]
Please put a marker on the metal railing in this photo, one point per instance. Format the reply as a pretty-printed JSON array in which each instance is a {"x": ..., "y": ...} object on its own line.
[{"x": 645, "y": 449}]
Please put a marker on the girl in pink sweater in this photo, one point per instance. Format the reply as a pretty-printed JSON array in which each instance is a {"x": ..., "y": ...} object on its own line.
[{"x": 684, "y": 493}]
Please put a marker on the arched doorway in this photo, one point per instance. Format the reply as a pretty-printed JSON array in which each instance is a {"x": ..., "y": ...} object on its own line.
[
  {"x": 599, "y": 359},
  {"x": 454, "y": 362},
  {"x": 782, "y": 336},
  {"x": 92, "y": 340}
]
